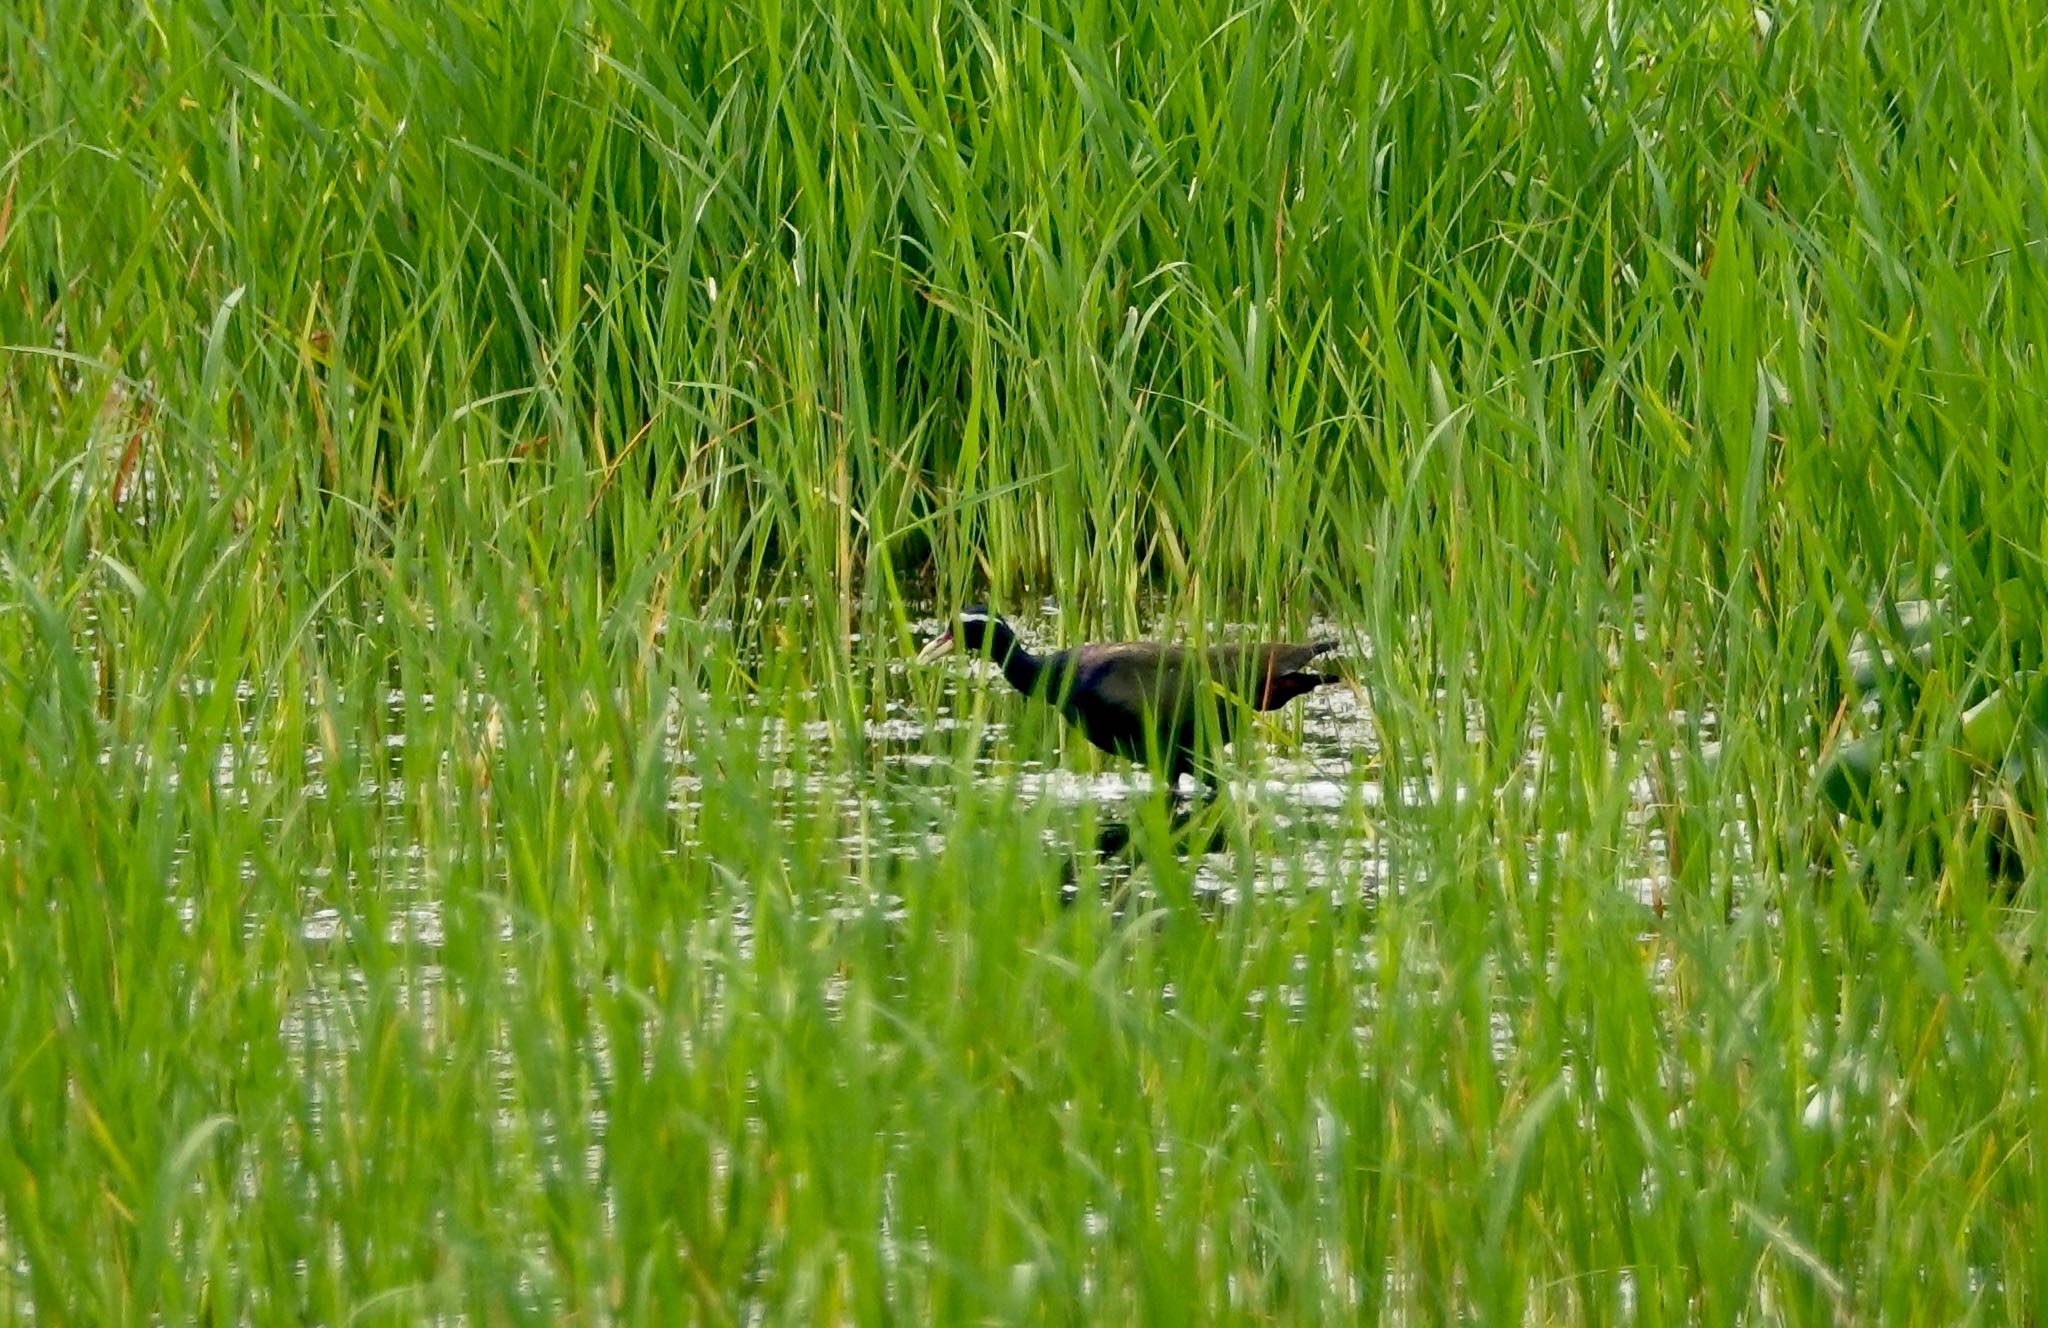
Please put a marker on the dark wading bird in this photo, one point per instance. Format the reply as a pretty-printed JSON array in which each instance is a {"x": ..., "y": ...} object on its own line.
[{"x": 1143, "y": 700}]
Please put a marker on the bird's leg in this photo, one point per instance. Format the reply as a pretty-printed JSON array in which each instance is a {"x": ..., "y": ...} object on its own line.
[
  {"x": 1116, "y": 838},
  {"x": 1110, "y": 842},
  {"x": 1205, "y": 839}
]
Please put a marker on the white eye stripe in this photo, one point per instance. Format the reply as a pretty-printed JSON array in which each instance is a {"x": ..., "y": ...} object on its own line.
[{"x": 981, "y": 618}]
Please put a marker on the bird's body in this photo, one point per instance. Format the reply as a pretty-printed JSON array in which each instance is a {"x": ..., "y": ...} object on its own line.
[{"x": 1143, "y": 700}]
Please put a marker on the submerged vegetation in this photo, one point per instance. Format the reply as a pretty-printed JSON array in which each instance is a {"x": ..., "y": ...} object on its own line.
[{"x": 471, "y": 477}]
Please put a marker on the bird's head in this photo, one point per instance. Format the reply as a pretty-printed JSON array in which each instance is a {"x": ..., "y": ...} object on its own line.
[{"x": 977, "y": 632}]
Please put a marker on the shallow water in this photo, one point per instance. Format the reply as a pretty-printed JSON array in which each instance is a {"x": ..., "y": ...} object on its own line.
[{"x": 1308, "y": 797}]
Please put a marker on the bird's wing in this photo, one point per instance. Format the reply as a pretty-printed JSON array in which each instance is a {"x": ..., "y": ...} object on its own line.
[
  {"x": 1136, "y": 677},
  {"x": 1139, "y": 677},
  {"x": 1249, "y": 671}
]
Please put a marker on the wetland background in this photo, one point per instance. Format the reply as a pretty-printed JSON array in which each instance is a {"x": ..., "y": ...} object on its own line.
[{"x": 472, "y": 848}]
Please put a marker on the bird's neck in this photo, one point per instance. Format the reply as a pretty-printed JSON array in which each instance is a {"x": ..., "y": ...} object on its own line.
[{"x": 1023, "y": 670}]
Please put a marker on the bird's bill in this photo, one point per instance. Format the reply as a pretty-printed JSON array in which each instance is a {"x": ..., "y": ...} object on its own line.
[{"x": 940, "y": 647}]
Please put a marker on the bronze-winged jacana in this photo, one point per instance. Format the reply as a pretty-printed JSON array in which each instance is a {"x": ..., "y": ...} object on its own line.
[{"x": 1141, "y": 699}]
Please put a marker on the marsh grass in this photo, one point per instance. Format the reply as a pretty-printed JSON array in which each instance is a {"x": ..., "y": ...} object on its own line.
[{"x": 470, "y": 474}]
